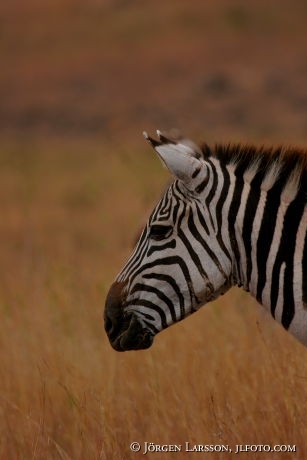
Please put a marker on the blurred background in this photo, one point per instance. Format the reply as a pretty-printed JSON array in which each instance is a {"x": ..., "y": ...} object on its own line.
[
  {"x": 103, "y": 68},
  {"x": 79, "y": 82}
]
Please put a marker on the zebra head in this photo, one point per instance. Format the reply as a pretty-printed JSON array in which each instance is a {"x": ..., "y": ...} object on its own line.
[{"x": 178, "y": 263}]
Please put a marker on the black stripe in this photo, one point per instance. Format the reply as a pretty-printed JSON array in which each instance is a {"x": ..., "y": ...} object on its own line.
[
  {"x": 201, "y": 187},
  {"x": 146, "y": 288},
  {"x": 169, "y": 280},
  {"x": 202, "y": 220},
  {"x": 214, "y": 185},
  {"x": 175, "y": 211},
  {"x": 252, "y": 203},
  {"x": 170, "y": 245},
  {"x": 266, "y": 234},
  {"x": 194, "y": 231},
  {"x": 292, "y": 220},
  {"x": 160, "y": 207},
  {"x": 211, "y": 193},
  {"x": 219, "y": 209},
  {"x": 179, "y": 190},
  {"x": 151, "y": 306},
  {"x": 196, "y": 172},
  {"x": 286, "y": 254},
  {"x": 148, "y": 324},
  {"x": 172, "y": 260},
  {"x": 233, "y": 211},
  {"x": 137, "y": 256},
  {"x": 189, "y": 247},
  {"x": 164, "y": 207}
]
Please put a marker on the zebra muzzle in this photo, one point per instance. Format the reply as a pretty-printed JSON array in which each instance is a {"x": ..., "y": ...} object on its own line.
[
  {"x": 135, "y": 337},
  {"x": 125, "y": 331}
]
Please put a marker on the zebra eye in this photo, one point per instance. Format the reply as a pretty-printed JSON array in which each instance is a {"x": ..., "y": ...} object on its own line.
[{"x": 160, "y": 232}]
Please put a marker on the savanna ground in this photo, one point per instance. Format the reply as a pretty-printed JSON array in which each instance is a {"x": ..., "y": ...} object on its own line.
[{"x": 78, "y": 84}]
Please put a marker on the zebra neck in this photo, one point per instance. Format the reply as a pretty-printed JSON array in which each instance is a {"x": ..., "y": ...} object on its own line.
[
  {"x": 252, "y": 228},
  {"x": 256, "y": 199},
  {"x": 267, "y": 237}
]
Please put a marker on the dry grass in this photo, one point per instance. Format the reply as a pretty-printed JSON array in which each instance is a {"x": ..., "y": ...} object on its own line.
[{"x": 228, "y": 375}]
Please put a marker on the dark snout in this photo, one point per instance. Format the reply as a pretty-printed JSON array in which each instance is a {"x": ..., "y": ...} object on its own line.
[{"x": 125, "y": 330}]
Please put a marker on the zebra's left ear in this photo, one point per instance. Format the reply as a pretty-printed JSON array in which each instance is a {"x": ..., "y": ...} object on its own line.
[{"x": 179, "y": 157}]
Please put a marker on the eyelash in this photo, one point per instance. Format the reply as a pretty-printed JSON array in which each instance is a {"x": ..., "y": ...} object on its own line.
[{"x": 160, "y": 232}]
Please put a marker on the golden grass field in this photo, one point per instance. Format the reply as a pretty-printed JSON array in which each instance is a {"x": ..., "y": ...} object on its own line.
[
  {"x": 227, "y": 375},
  {"x": 79, "y": 82}
]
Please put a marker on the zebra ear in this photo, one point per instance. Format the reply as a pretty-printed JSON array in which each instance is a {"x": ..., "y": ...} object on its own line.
[{"x": 179, "y": 157}]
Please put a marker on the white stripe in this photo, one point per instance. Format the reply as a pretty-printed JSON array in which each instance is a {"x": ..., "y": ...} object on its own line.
[
  {"x": 298, "y": 325},
  {"x": 266, "y": 294},
  {"x": 218, "y": 191},
  {"x": 137, "y": 309},
  {"x": 248, "y": 177},
  {"x": 239, "y": 231},
  {"x": 280, "y": 298},
  {"x": 254, "y": 239},
  {"x": 297, "y": 261},
  {"x": 225, "y": 210}
]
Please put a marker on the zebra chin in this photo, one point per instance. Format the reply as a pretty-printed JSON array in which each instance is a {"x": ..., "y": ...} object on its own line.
[{"x": 126, "y": 331}]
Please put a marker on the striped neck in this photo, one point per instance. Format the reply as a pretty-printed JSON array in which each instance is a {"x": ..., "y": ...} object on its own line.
[{"x": 261, "y": 216}]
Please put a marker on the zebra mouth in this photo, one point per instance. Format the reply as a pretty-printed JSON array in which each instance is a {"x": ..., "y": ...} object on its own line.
[
  {"x": 125, "y": 330},
  {"x": 132, "y": 335}
]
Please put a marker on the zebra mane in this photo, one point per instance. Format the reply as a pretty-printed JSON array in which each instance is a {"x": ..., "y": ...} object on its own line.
[{"x": 287, "y": 165}]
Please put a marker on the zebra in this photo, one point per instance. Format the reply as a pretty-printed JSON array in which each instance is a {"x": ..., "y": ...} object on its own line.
[{"x": 234, "y": 215}]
